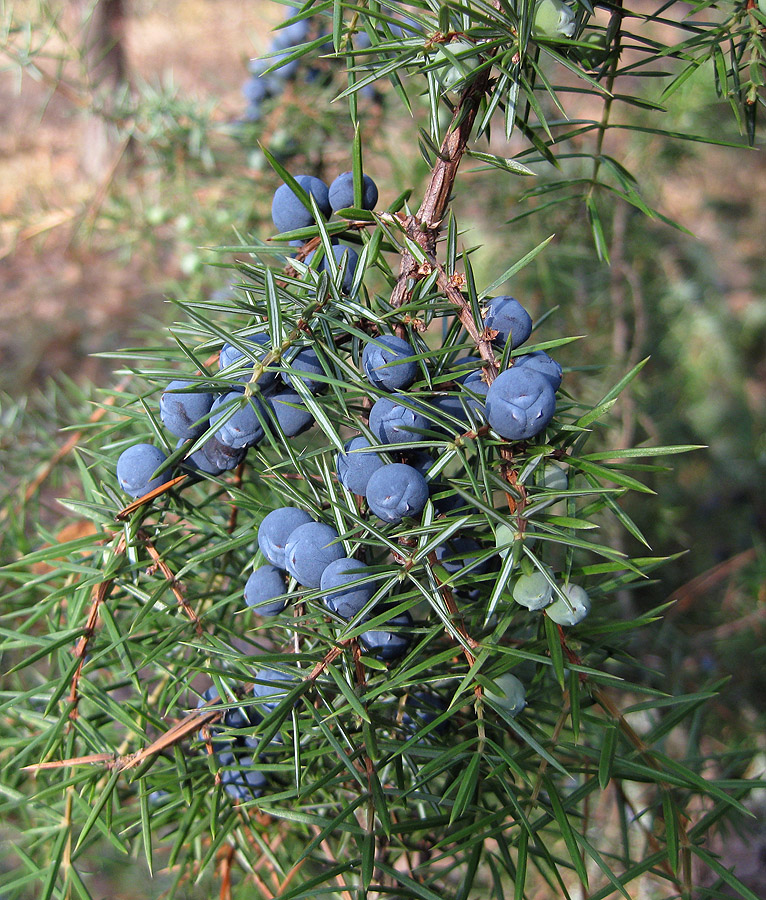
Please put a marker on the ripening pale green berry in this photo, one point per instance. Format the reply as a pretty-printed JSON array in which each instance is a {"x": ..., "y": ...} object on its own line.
[
  {"x": 574, "y": 610},
  {"x": 509, "y": 693},
  {"x": 533, "y": 591},
  {"x": 458, "y": 70},
  {"x": 554, "y": 477},
  {"x": 553, "y": 19}
]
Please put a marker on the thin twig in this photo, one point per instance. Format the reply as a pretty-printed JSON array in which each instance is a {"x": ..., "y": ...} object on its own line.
[
  {"x": 175, "y": 586},
  {"x": 100, "y": 594}
]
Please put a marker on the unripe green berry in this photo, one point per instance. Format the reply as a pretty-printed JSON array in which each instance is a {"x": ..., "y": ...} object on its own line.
[
  {"x": 509, "y": 693},
  {"x": 553, "y": 19},
  {"x": 533, "y": 591}
]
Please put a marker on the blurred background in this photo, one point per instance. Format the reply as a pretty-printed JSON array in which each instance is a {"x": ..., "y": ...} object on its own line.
[{"x": 103, "y": 225}]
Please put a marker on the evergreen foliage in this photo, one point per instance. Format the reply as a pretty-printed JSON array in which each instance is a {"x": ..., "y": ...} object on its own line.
[{"x": 447, "y": 738}]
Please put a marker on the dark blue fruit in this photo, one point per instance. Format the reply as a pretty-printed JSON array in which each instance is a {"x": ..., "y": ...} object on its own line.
[
  {"x": 291, "y": 414},
  {"x": 276, "y": 528},
  {"x": 287, "y": 211},
  {"x": 460, "y": 554},
  {"x": 264, "y": 590},
  {"x": 393, "y": 423},
  {"x": 465, "y": 409},
  {"x": 184, "y": 414},
  {"x": 338, "y": 251},
  {"x": 309, "y": 550},
  {"x": 344, "y": 601},
  {"x": 257, "y": 346},
  {"x": 341, "y": 192},
  {"x": 306, "y": 361},
  {"x": 509, "y": 318},
  {"x": 465, "y": 366},
  {"x": 386, "y": 363},
  {"x": 388, "y": 645},
  {"x": 242, "y": 428},
  {"x": 238, "y": 717},
  {"x": 215, "y": 457},
  {"x": 421, "y": 461},
  {"x": 422, "y": 708},
  {"x": 355, "y": 469},
  {"x": 136, "y": 467},
  {"x": 245, "y": 782},
  {"x": 520, "y": 403},
  {"x": 396, "y": 491},
  {"x": 270, "y": 688},
  {"x": 542, "y": 363}
]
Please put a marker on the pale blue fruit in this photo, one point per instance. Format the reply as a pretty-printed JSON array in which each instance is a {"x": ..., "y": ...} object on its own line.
[
  {"x": 287, "y": 211},
  {"x": 341, "y": 192},
  {"x": 344, "y": 601},
  {"x": 137, "y": 465},
  {"x": 292, "y": 415},
  {"x": 257, "y": 346},
  {"x": 215, "y": 456},
  {"x": 388, "y": 645},
  {"x": 276, "y": 528},
  {"x": 464, "y": 408},
  {"x": 520, "y": 403},
  {"x": 355, "y": 469},
  {"x": 533, "y": 591},
  {"x": 184, "y": 412},
  {"x": 242, "y": 428},
  {"x": 386, "y": 363},
  {"x": 245, "y": 782},
  {"x": 305, "y": 364},
  {"x": 270, "y": 688},
  {"x": 393, "y": 423},
  {"x": 309, "y": 550},
  {"x": 465, "y": 366},
  {"x": 396, "y": 491},
  {"x": 542, "y": 363},
  {"x": 574, "y": 610},
  {"x": 509, "y": 318},
  {"x": 264, "y": 590},
  {"x": 509, "y": 693}
]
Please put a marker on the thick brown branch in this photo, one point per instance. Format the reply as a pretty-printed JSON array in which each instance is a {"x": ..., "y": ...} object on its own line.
[{"x": 424, "y": 226}]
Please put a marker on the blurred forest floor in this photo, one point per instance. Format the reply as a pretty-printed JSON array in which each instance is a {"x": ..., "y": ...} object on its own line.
[{"x": 86, "y": 265}]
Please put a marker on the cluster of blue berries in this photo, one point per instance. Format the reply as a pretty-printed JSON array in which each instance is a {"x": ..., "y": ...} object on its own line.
[
  {"x": 260, "y": 87},
  {"x": 289, "y": 213},
  {"x": 235, "y": 746},
  {"x": 236, "y": 421},
  {"x": 310, "y": 552},
  {"x": 517, "y": 405},
  {"x": 264, "y": 85},
  {"x": 240, "y": 421},
  {"x": 390, "y": 478}
]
